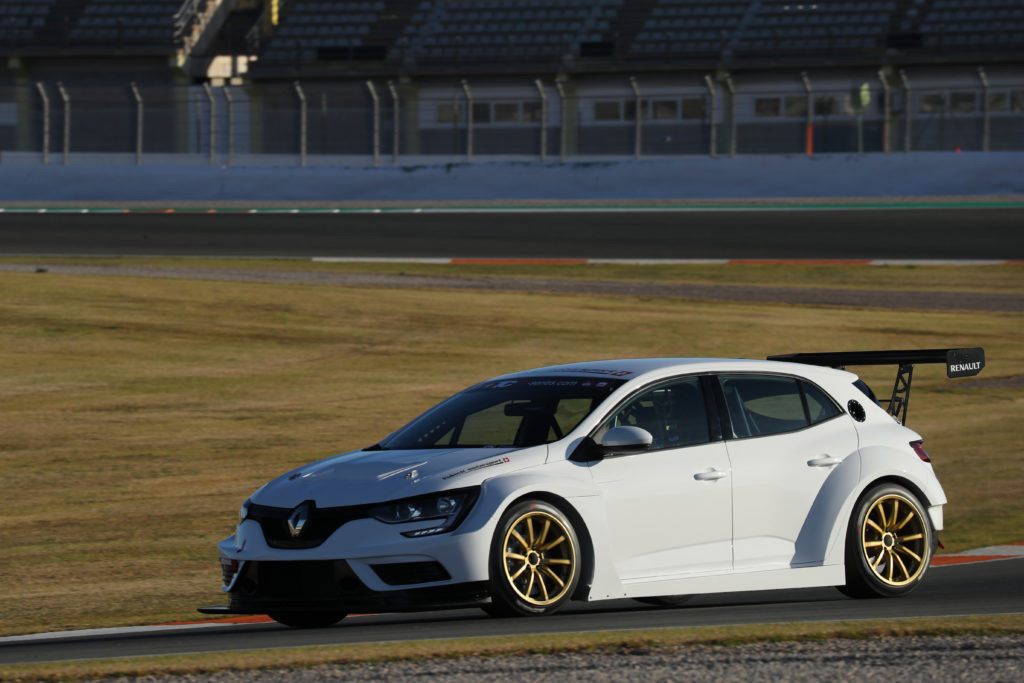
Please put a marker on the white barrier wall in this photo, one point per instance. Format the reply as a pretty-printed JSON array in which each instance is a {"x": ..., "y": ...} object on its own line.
[{"x": 872, "y": 175}]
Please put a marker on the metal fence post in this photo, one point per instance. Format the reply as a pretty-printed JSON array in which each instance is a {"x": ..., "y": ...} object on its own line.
[
  {"x": 376, "y": 122},
  {"x": 469, "y": 120},
  {"x": 908, "y": 109},
  {"x": 303, "y": 131},
  {"x": 396, "y": 137},
  {"x": 231, "y": 125},
  {"x": 66, "y": 99},
  {"x": 986, "y": 122},
  {"x": 46, "y": 122},
  {"x": 886, "y": 111},
  {"x": 213, "y": 122},
  {"x": 809, "y": 124},
  {"x": 639, "y": 117},
  {"x": 731, "y": 87},
  {"x": 563, "y": 141},
  {"x": 543, "y": 120},
  {"x": 139, "y": 120},
  {"x": 713, "y": 128}
]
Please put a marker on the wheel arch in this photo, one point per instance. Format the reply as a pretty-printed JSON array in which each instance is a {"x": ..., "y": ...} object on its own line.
[
  {"x": 836, "y": 547},
  {"x": 579, "y": 526}
]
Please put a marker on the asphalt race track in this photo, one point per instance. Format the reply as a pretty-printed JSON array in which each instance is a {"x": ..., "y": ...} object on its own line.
[
  {"x": 947, "y": 233},
  {"x": 957, "y": 590}
]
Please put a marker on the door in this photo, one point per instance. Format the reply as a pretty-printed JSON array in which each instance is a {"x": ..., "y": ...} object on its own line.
[
  {"x": 669, "y": 508},
  {"x": 788, "y": 438}
]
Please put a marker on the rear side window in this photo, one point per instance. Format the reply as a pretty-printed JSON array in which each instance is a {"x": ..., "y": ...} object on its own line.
[
  {"x": 819, "y": 406},
  {"x": 761, "y": 405}
]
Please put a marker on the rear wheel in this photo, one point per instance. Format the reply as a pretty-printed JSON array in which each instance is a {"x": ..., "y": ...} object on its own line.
[
  {"x": 535, "y": 561},
  {"x": 889, "y": 544},
  {"x": 308, "y": 619}
]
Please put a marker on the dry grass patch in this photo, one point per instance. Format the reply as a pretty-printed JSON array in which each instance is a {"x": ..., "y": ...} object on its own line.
[{"x": 138, "y": 413}]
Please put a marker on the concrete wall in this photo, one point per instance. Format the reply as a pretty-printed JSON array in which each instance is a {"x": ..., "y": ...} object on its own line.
[{"x": 770, "y": 176}]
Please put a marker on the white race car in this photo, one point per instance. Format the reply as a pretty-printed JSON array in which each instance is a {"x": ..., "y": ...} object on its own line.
[{"x": 652, "y": 479}]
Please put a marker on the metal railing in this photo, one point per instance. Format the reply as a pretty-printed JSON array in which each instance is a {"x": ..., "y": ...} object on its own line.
[{"x": 376, "y": 122}]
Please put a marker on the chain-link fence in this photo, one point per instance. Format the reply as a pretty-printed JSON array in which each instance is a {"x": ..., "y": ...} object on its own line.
[{"x": 318, "y": 123}]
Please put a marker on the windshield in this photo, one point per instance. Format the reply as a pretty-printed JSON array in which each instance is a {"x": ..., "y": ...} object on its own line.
[{"x": 506, "y": 413}]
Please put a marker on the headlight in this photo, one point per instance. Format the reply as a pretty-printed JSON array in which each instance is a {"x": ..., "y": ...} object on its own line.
[
  {"x": 448, "y": 508},
  {"x": 243, "y": 511}
]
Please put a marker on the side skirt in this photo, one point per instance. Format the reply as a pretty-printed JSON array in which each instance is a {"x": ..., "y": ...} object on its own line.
[{"x": 774, "y": 579}]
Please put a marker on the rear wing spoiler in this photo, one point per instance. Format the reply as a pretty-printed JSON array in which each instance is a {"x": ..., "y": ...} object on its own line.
[{"x": 958, "y": 362}]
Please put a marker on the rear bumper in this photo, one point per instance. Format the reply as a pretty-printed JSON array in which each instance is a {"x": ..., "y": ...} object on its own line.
[{"x": 331, "y": 585}]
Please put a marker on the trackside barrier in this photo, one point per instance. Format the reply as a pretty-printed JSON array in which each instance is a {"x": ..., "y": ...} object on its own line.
[{"x": 654, "y": 116}]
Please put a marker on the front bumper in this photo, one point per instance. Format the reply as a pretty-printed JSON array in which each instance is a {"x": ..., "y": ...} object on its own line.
[{"x": 265, "y": 587}]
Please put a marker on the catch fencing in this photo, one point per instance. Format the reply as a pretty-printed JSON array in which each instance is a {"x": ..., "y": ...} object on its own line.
[{"x": 386, "y": 122}]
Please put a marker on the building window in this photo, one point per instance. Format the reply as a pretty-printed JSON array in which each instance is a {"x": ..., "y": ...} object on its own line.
[
  {"x": 482, "y": 112},
  {"x": 532, "y": 112},
  {"x": 933, "y": 103},
  {"x": 962, "y": 102},
  {"x": 1017, "y": 101},
  {"x": 629, "y": 110},
  {"x": 998, "y": 101},
  {"x": 796, "y": 105},
  {"x": 693, "y": 108},
  {"x": 767, "y": 106},
  {"x": 447, "y": 113},
  {"x": 607, "y": 111},
  {"x": 825, "y": 105},
  {"x": 506, "y": 112},
  {"x": 666, "y": 109}
]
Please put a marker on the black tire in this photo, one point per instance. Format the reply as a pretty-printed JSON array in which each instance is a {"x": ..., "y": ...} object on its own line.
[
  {"x": 666, "y": 600},
  {"x": 548, "y": 573},
  {"x": 904, "y": 542},
  {"x": 308, "y": 619}
]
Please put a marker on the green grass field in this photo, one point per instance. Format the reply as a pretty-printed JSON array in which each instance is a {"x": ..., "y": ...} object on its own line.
[{"x": 138, "y": 413}]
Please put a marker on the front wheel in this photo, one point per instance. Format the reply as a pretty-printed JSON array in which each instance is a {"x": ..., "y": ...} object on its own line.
[
  {"x": 308, "y": 619},
  {"x": 535, "y": 561},
  {"x": 889, "y": 544}
]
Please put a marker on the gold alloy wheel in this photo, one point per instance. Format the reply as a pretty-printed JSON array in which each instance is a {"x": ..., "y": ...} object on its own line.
[
  {"x": 895, "y": 540},
  {"x": 539, "y": 558}
]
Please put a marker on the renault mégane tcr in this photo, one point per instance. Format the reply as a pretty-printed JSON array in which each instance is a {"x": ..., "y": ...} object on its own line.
[{"x": 651, "y": 479}]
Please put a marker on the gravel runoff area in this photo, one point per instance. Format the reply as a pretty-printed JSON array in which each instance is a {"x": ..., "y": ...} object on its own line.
[
  {"x": 870, "y": 298},
  {"x": 917, "y": 658}
]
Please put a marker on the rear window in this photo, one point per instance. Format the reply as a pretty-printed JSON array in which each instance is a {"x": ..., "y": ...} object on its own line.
[
  {"x": 762, "y": 405},
  {"x": 820, "y": 406},
  {"x": 865, "y": 389}
]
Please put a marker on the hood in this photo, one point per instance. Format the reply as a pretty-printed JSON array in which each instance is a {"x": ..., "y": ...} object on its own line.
[{"x": 362, "y": 477}]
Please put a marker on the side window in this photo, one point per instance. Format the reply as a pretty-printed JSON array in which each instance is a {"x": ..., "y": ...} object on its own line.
[
  {"x": 819, "y": 406},
  {"x": 760, "y": 405},
  {"x": 674, "y": 414}
]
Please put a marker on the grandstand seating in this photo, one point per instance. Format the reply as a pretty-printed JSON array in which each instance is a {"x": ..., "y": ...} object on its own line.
[
  {"x": 121, "y": 21},
  {"x": 794, "y": 27},
  {"x": 497, "y": 29},
  {"x": 310, "y": 29},
  {"x": 469, "y": 32},
  {"x": 952, "y": 24},
  {"x": 21, "y": 21},
  {"x": 689, "y": 26}
]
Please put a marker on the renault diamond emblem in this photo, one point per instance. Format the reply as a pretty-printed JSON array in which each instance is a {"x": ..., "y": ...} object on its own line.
[{"x": 297, "y": 520}]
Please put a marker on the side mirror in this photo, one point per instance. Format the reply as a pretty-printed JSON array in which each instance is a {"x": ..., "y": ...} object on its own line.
[
  {"x": 616, "y": 441},
  {"x": 625, "y": 440}
]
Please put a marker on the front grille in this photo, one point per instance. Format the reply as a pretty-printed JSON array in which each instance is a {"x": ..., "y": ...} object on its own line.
[
  {"x": 408, "y": 573},
  {"x": 306, "y": 580},
  {"x": 321, "y": 524}
]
